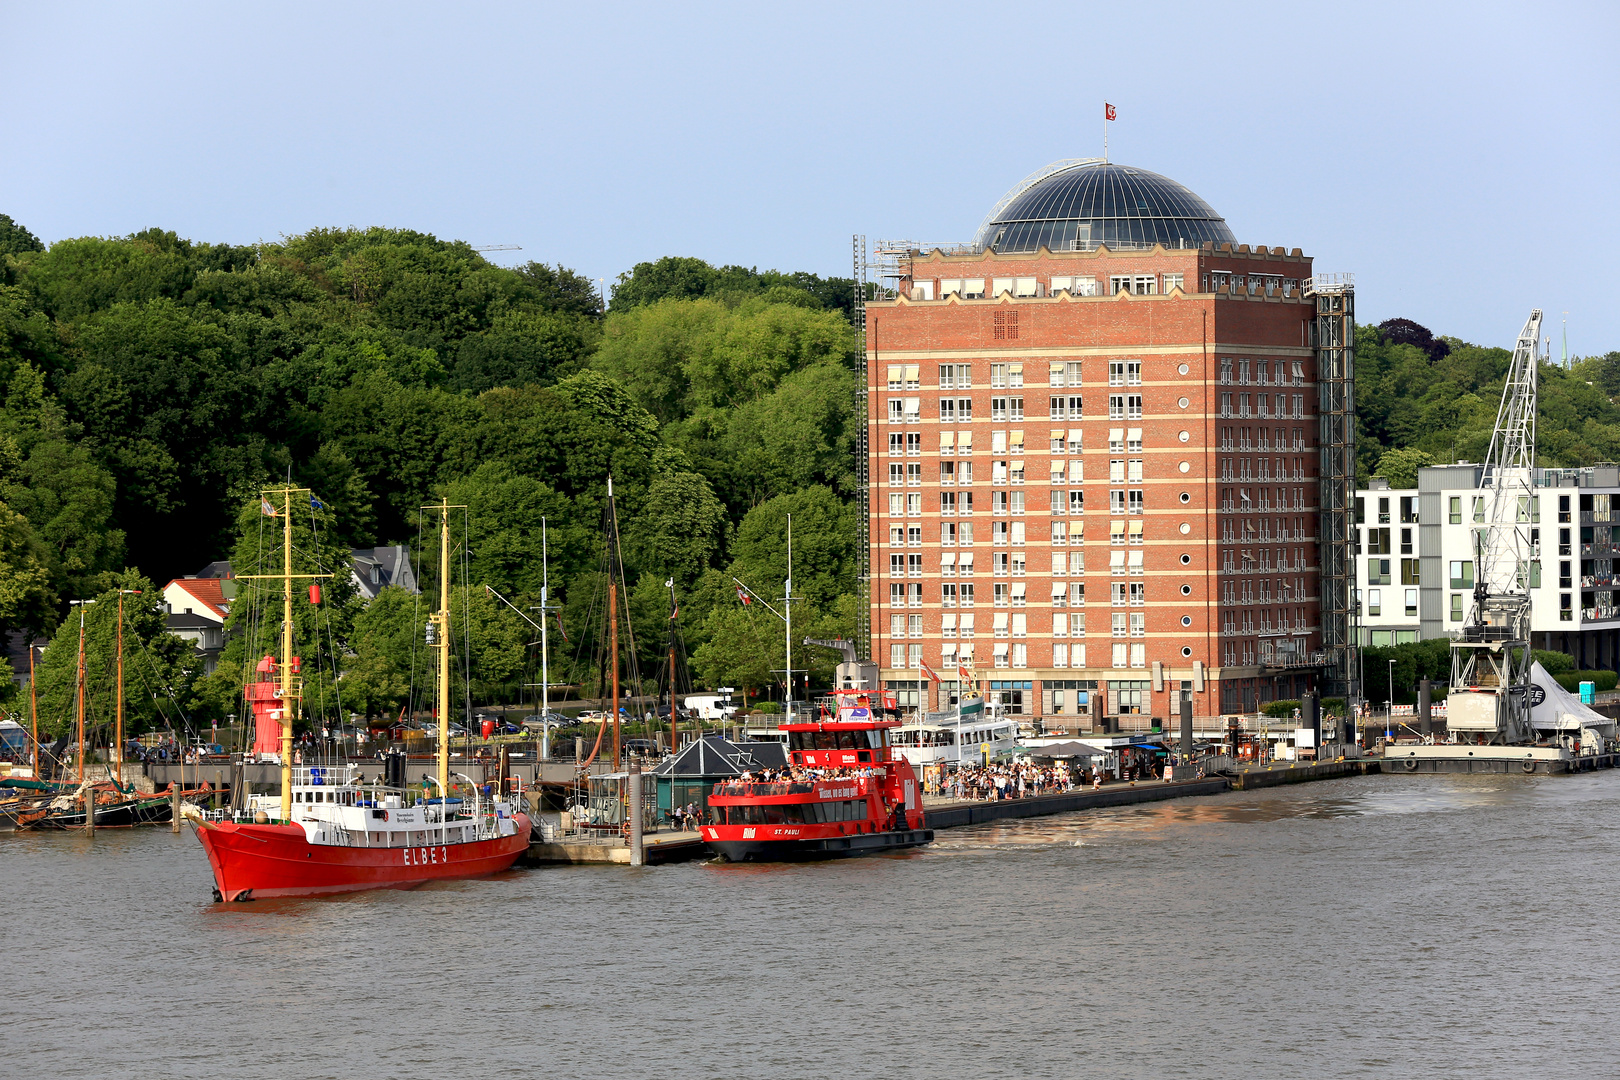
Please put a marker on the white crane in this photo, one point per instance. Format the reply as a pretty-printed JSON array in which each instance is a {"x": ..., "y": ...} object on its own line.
[{"x": 1490, "y": 661}]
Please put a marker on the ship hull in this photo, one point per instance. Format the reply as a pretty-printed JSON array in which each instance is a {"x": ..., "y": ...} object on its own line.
[
  {"x": 829, "y": 847},
  {"x": 258, "y": 862},
  {"x": 112, "y": 816}
]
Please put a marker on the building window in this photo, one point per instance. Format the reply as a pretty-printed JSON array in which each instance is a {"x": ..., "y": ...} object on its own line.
[
  {"x": 1125, "y": 373},
  {"x": 955, "y": 376},
  {"x": 1411, "y": 603},
  {"x": 1375, "y": 602},
  {"x": 1409, "y": 572},
  {"x": 1378, "y": 571},
  {"x": 1462, "y": 574}
]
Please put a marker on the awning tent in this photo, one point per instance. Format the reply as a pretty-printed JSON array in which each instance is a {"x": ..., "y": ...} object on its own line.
[{"x": 1552, "y": 708}]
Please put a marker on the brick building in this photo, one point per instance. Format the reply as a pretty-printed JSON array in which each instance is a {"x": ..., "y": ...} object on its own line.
[{"x": 1092, "y": 458}]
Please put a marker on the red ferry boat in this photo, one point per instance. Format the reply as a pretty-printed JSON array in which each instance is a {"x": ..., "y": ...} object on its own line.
[{"x": 848, "y": 794}]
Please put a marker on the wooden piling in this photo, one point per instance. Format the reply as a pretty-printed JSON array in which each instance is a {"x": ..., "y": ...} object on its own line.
[
  {"x": 174, "y": 807},
  {"x": 90, "y": 811}
]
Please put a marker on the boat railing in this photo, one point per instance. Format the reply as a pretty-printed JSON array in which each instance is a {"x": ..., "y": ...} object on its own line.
[
  {"x": 774, "y": 787},
  {"x": 325, "y": 775}
]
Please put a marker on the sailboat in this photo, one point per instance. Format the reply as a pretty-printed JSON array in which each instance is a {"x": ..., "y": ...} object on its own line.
[
  {"x": 337, "y": 833},
  {"x": 117, "y": 804}
]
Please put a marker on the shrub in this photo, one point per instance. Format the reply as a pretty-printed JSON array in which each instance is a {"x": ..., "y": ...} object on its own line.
[
  {"x": 1283, "y": 709},
  {"x": 1571, "y": 680}
]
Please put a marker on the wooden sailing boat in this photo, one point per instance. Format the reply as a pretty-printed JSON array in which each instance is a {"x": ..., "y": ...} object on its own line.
[
  {"x": 117, "y": 804},
  {"x": 337, "y": 833}
]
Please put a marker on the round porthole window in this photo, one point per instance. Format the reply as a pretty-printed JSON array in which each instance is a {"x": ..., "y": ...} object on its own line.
[
  {"x": 1186, "y": 650},
  {"x": 1185, "y": 528},
  {"x": 1181, "y": 370},
  {"x": 1185, "y": 559},
  {"x": 1185, "y": 466},
  {"x": 1186, "y": 590},
  {"x": 1183, "y": 402},
  {"x": 1184, "y": 436},
  {"x": 1185, "y": 498},
  {"x": 1186, "y": 620}
]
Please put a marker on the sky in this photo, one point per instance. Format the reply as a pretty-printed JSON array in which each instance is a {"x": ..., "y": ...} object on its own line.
[{"x": 1460, "y": 159}]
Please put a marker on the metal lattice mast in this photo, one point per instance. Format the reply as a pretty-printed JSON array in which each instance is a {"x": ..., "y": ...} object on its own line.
[
  {"x": 1491, "y": 660},
  {"x": 863, "y": 499},
  {"x": 1333, "y": 333}
]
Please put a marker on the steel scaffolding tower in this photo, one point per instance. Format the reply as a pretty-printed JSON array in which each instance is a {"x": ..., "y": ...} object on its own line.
[
  {"x": 863, "y": 498},
  {"x": 1333, "y": 336}
]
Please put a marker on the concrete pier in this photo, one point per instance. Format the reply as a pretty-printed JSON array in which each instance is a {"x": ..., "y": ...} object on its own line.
[
  {"x": 658, "y": 847},
  {"x": 1300, "y": 772}
]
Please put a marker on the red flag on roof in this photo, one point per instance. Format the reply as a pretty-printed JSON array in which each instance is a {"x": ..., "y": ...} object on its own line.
[{"x": 1108, "y": 111}]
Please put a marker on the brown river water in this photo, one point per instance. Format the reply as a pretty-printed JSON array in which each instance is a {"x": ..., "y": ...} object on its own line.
[{"x": 1368, "y": 927}]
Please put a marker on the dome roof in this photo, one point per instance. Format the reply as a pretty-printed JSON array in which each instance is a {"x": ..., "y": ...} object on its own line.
[{"x": 1078, "y": 205}]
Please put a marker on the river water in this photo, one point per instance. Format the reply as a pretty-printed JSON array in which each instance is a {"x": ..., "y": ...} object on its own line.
[{"x": 1376, "y": 926}]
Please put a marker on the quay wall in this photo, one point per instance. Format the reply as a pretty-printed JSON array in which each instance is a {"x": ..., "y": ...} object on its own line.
[{"x": 956, "y": 814}]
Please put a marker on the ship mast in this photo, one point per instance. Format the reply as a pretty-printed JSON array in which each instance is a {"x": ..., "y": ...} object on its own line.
[
  {"x": 440, "y": 624},
  {"x": 287, "y": 694},
  {"x": 287, "y": 707}
]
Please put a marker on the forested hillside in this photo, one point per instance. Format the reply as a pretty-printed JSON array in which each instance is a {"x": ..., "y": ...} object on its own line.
[{"x": 151, "y": 385}]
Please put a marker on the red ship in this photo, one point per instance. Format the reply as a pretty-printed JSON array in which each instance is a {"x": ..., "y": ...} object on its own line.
[
  {"x": 333, "y": 832},
  {"x": 847, "y": 793},
  {"x": 346, "y": 836}
]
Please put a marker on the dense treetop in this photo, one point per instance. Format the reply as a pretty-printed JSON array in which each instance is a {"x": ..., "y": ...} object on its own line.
[{"x": 150, "y": 385}]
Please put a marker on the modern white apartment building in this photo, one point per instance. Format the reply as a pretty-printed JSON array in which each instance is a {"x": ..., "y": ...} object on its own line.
[{"x": 1415, "y": 572}]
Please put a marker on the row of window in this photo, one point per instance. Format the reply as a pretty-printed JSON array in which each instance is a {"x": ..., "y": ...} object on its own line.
[
  {"x": 1262, "y": 469},
  {"x": 908, "y": 410},
  {"x": 1262, "y": 371},
  {"x": 1265, "y": 621},
  {"x": 1244, "y": 561},
  {"x": 1122, "y": 502},
  {"x": 1241, "y": 501},
  {"x": 1245, "y": 440},
  {"x": 1259, "y": 529},
  {"x": 1527, "y": 512},
  {"x": 1259, "y": 406},
  {"x": 1136, "y": 284},
  {"x": 1259, "y": 591}
]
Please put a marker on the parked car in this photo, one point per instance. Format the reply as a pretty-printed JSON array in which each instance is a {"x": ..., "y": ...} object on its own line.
[
  {"x": 638, "y": 746},
  {"x": 551, "y": 719}
]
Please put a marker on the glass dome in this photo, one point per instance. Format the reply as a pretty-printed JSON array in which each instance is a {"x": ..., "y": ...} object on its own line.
[{"x": 1081, "y": 205}]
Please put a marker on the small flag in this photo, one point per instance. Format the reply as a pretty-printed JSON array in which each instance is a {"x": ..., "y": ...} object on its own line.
[
  {"x": 316, "y": 504},
  {"x": 560, "y": 629},
  {"x": 928, "y": 671},
  {"x": 964, "y": 673},
  {"x": 1108, "y": 111},
  {"x": 743, "y": 596},
  {"x": 265, "y": 508}
]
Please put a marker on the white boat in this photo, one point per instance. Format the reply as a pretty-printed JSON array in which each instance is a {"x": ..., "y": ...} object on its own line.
[{"x": 964, "y": 734}]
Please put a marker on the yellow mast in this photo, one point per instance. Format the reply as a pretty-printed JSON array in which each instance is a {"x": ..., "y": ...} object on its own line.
[
  {"x": 288, "y": 691},
  {"x": 439, "y": 641}
]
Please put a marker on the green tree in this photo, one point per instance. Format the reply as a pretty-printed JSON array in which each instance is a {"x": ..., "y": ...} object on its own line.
[
  {"x": 1400, "y": 467},
  {"x": 25, "y": 595},
  {"x": 14, "y": 239},
  {"x": 159, "y": 668}
]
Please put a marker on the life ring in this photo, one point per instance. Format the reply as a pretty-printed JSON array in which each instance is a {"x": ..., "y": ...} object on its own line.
[
  {"x": 1528, "y": 765},
  {"x": 1410, "y": 763}
]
